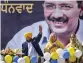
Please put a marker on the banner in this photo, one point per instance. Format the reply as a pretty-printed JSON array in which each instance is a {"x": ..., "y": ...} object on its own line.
[{"x": 15, "y": 15}]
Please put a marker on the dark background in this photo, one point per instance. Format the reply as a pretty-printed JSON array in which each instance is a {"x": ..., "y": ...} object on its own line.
[{"x": 11, "y": 23}]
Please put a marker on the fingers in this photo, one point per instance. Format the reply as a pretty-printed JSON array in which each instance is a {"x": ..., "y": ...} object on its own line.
[{"x": 40, "y": 28}]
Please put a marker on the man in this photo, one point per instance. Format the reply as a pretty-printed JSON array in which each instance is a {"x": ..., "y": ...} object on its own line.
[
  {"x": 31, "y": 46},
  {"x": 62, "y": 18}
]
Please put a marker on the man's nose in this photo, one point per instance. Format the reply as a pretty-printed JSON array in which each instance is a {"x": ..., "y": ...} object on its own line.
[{"x": 57, "y": 13}]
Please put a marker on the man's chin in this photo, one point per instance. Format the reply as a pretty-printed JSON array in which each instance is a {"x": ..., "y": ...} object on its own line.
[{"x": 60, "y": 31}]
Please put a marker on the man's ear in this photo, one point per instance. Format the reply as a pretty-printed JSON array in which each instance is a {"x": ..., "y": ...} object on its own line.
[
  {"x": 81, "y": 12},
  {"x": 81, "y": 9}
]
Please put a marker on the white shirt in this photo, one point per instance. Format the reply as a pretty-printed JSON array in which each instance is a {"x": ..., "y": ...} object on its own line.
[
  {"x": 32, "y": 51},
  {"x": 19, "y": 37}
]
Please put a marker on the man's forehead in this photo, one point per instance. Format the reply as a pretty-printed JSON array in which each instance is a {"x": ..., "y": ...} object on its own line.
[{"x": 60, "y": 1}]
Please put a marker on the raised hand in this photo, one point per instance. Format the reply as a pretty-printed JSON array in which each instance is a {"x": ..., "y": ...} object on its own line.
[{"x": 40, "y": 28}]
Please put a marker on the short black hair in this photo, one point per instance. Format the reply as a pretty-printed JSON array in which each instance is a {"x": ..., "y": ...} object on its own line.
[{"x": 79, "y": 4}]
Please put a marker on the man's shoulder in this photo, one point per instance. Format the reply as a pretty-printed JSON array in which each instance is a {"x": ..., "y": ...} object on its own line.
[
  {"x": 81, "y": 25},
  {"x": 81, "y": 22},
  {"x": 23, "y": 43},
  {"x": 79, "y": 33}
]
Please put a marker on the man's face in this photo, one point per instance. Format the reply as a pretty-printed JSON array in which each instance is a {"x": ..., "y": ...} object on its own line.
[
  {"x": 28, "y": 38},
  {"x": 61, "y": 16}
]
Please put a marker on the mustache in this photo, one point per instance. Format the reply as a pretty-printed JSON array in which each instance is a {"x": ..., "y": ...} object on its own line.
[{"x": 59, "y": 19}]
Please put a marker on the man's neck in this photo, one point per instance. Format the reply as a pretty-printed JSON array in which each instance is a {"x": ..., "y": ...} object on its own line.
[{"x": 29, "y": 40}]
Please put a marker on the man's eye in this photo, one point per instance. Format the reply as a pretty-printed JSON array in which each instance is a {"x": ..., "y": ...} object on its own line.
[
  {"x": 66, "y": 7},
  {"x": 49, "y": 6}
]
